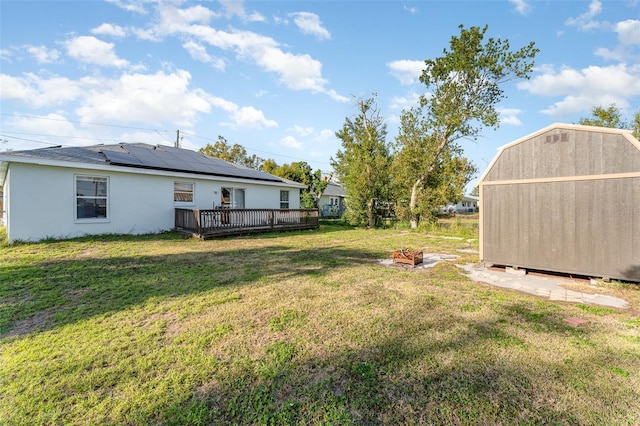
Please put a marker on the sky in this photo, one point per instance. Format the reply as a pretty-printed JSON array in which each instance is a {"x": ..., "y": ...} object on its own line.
[{"x": 281, "y": 77}]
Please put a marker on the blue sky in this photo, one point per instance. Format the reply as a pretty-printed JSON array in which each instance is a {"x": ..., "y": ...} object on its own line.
[{"x": 279, "y": 77}]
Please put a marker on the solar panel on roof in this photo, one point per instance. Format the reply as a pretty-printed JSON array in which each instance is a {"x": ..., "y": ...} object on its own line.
[
  {"x": 122, "y": 158},
  {"x": 175, "y": 159}
]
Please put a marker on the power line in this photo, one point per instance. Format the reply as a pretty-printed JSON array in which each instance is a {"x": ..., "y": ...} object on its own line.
[
  {"x": 251, "y": 149},
  {"x": 83, "y": 122},
  {"x": 29, "y": 140},
  {"x": 121, "y": 127},
  {"x": 59, "y": 136}
]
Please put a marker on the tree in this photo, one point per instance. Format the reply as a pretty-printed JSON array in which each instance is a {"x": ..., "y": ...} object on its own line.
[
  {"x": 465, "y": 87},
  {"x": 235, "y": 154},
  {"x": 605, "y": 117},
  {"x": 362, "y": 165},
  {"x": 269, "y": 166},
  {"x": 300, "y": 172},
  {"x": 450, "y": 171},
  {"x": 611, "y": 117}
]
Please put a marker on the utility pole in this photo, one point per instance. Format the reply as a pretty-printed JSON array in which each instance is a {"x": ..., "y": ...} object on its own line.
[{"x": 178, "y": 138}]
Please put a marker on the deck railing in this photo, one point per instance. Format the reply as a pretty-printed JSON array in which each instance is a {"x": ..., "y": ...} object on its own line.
[{"x": 217, "y": 222}]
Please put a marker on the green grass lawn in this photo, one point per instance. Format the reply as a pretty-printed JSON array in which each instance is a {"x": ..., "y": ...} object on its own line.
[{"x": 298, "y": 328}]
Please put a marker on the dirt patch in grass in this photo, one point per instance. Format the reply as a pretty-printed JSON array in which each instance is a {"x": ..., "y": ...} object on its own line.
[{"x": 38, "y": 322}]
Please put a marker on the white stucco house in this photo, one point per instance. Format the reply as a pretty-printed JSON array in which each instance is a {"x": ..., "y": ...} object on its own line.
[
  {"x": 468, "y": 204},
  {"x": 64, "y": 192},
  {"x": 331, "y": 203}
]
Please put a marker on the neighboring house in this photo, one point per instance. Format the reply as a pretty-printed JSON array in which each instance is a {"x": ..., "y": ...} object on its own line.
[
  {"x": 564, "y": 199},
  {"x": 124, "y": 189},
  {"x": 331, "y": 203},
  {"x": 468, "y": 204}
]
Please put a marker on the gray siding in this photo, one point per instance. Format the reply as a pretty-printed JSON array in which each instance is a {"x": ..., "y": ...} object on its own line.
[
  {"x": 571, "y": 205},
  {"x": 577, "y": 153}
]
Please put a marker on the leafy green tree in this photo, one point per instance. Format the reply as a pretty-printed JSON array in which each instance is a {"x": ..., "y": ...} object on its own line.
[
  {"x": 611, "y": 117},
  {"x": 300, "y": 172},
  {"x": 450, "y": 171},
  {"x": 362, "y": 165},
  {"x": 235, "y": 154},
  {"x": 605, "y": 117},
  {"x": 464, "y": 87},
  {"x": 269, "y": 166},
  {"x": 475, "y": 192}
]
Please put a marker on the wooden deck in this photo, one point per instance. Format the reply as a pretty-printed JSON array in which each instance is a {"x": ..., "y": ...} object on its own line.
[{"x": 221, "y": 222}]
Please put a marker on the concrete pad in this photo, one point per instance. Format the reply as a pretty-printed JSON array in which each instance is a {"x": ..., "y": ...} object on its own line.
[
  {"x": 546, "y": 287},
  {"x": 514, "y": 271}
]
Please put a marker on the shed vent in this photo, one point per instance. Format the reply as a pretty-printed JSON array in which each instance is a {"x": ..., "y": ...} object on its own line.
[{"x": 562, "y": 137}]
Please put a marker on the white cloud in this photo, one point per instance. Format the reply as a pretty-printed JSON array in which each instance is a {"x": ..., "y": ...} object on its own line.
[
  {"x": 291, "y": 142},
  {"x": 336, "y": 96},
  {"x": 109, "y": 30},
  {"x": 295, "y": 71},
  {"x": 251, "y": 118},
  {"x": 301, "y": 130},
  {"x": 510, "y": 116},
  {"x": 39, "y": 92},
  {"x": 325, "y": 135},
  {"x": 42, "y": 54},
  {"x": 406, "y": 71},
  {"x": 309, "y": 23},
  {"x": 199, "y": 53},
  {"x": 521, "y": 6},
  {"x": 56, "y": 129},
  {"x": 628, "y": 32},
  {"x": 585, "y": 21},
  {"x": 90, "y": 50},
  {"x": 173, "y": 20},
  {"x": 136, "y": 6},
  {"x": 629, "y": 39},
  {"x": 243, "y": 117},
  {"x": 404, "y": 102},
  {"x": 583, "y": 89},
  {"x": 617, "y": 54},
  {"x": 5, "y": 55},
  {"x": 147, "y": 98},
  {"x": 236, "y": 8},
  {"x": 411, "y": 10},
  {"x": 49, "y": 124}
]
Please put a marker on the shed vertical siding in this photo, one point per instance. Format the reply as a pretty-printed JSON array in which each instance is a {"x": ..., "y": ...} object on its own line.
[{"x": 566, "y": 199}]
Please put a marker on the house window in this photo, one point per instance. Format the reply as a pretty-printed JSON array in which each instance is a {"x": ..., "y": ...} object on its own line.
[
  {"x": 91, "y": 197},
  {"x": 284, "y": 199},
  {"x": 232, "y": 198},
  {"x": 183, "y": 192}
]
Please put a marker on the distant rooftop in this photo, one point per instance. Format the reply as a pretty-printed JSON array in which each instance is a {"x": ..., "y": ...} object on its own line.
[{"x": 334, "y": 190}]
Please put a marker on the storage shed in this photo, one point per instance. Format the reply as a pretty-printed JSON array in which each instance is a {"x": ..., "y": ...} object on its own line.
[{"x": 564, "y": 199}]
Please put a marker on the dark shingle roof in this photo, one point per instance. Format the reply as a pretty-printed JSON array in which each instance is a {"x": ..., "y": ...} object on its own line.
[
  {"x": 146, "y": 156},
  {"x": 333, "y": 189}
]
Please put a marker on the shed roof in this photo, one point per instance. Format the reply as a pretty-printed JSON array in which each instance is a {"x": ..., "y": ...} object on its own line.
[
  {"x": 535, "y": 162},
  {"x": 141, "y": 156}
]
